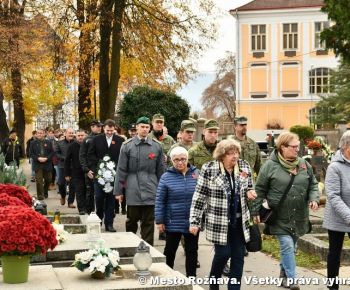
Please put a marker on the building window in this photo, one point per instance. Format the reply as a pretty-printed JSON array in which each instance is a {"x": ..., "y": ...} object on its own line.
[
  {"x": 290, "y": 36},
  {"x": 319, "y": 27},
  {"x": 320, "y": 80},
  {"x": 258, "y": 33}
]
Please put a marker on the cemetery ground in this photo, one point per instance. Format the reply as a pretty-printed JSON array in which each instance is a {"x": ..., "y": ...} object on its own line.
[{"x": 259, "y": 265}]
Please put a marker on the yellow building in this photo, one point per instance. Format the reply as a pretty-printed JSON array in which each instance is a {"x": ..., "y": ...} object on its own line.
[{"x": 282, "y": 67}]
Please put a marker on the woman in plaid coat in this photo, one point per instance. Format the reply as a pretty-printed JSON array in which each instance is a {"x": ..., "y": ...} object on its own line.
[{"x": 222, "y": 191}]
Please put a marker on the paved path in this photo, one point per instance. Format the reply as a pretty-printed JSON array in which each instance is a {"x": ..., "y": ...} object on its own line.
[{"x": 257, "y": 265}]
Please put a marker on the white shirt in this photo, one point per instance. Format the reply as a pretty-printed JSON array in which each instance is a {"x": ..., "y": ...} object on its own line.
[{"x": 109, "y": 140}]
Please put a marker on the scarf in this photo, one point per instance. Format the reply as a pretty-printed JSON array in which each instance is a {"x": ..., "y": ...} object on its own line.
[{"x": 291, "y": 166}]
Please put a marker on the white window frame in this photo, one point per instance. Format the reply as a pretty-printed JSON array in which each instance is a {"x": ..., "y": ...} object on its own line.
[
  {"x": 325, "y": 88},
  {"x": 318, "y": 45},
  {"x": 258, "y": 36},
  {"x": 293, "y": 36}
]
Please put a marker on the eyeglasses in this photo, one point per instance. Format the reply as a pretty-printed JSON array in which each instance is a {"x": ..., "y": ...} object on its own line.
[
  {"x": 293, "y": 146},
  {"x": 182, "y": 160}
]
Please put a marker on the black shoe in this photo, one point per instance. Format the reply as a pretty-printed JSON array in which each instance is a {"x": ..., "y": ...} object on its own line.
[
  {"x": 213, "y": 287},
  {"x": 82, "y": 212},
  {"x": 32, "y": 179},
  {"x": 162, "y": 236},
  {"x": 246, "y": 253},
  {"x": 198, "y": 264},
  {"x": 110, "y": 229},
  {"x": 294, "y": 287},
  {"x": 46, "y": 195}
]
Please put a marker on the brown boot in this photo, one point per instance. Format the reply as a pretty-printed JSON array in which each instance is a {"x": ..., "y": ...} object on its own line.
[{"x": 71, "y": 205}]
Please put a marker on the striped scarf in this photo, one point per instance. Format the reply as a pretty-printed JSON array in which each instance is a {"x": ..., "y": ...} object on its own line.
[{"x": 291, "y": 166}]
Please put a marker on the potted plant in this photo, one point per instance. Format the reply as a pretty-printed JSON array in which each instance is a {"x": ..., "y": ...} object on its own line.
[
  {"x": 101, "y": 262},
  {"x": 23, "y": 233}
]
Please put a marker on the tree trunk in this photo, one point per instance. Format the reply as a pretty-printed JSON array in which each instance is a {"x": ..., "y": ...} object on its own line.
[
  {"x": 17, "y": 97},
  {"x": 106, "y": 18},
  {"x": 85, "y": 66},
  {"x": 4, "y": 129},
  {"x": 116, "y": 53}
]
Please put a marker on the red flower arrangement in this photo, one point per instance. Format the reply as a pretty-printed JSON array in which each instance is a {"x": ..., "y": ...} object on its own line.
[
  {"x": 17, "y": 191},
  {"x": 6, "y": 200},
  {"x": 151, "y": 155},
  {"x": 23, "y": 231},
  {"x": 314, "y": 145}
]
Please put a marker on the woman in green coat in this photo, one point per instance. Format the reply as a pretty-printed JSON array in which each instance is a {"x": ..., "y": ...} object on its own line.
[{"x": 292, "y": 215}]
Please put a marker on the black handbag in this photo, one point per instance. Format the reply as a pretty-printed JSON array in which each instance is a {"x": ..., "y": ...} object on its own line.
[
  {"x": 268, "y": 216},
  {"x": 255, "y": 243}
]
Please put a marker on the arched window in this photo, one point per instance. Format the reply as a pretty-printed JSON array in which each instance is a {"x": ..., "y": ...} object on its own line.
[{"x": 320, "y": 80}]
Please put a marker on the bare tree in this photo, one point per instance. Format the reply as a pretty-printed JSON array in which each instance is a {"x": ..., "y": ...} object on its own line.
[{"x": 220, "y": 96}]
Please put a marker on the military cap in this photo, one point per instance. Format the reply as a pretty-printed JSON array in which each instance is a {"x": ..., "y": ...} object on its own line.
[
  {"x": 211, "y": 124},
  {"x": 143, "y": 120},
  {"x": 241, "y": 120},
  {"x": 158, "y": 116},
  {"x": 132, "y": 126},
  {"x": 188, "y": 125},
  {"x": 96, "y": 122}
]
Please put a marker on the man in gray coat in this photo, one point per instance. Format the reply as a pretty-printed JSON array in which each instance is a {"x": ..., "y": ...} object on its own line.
[{"x": 140, "y": 167}]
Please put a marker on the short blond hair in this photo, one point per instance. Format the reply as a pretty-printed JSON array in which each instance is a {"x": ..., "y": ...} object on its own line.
[
  {"x": 224, "y": 146},
  {"x": 284, "y": 140}
]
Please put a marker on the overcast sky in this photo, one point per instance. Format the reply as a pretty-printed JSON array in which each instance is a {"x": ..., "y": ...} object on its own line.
[{"x": 225, "y": 42}]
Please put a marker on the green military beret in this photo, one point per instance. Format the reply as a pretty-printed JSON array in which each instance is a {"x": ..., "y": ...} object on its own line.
[
  {"x": 211, "y": 124},
  {"x": 188, "y": 125},
  {"x": 143, "y": 120},
  {"x": 241, "y": 120},
  {"x": 158, "y": 116}
]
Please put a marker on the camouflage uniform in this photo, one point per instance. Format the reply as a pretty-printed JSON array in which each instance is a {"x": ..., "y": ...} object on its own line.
[
  {"x": 250, "y": 152},
  {"x": 199, "y": 154},
  {"x": 166, "y": 141}
]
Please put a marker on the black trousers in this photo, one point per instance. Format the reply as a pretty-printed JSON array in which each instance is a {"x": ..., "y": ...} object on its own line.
[
  {"x": 90, "y": 195},
  {"x": 43, "y": 179},
  {"x": 78, "y": 184},
  {"x": 144, "y": 214},
  {"x": 62, "y": 187},
  {"x": 336, "y": 240},
  {"x": 191, "y": 250}
]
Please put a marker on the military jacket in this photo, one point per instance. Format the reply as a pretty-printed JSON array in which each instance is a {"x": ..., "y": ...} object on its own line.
[
  {"x": 199, "y": 154},
  {"x": 166, "y": 140},
  {"x": 250, "y": 152},
  {"x": 140, "y": 167},
  {"x": 188, "y": 147}
]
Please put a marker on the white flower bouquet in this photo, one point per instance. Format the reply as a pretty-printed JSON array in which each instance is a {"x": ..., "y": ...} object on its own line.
[
  {"x": 105, "y": 173},
  {"x": 61, "y": 234},
  {"x": 101, "y": 260}
]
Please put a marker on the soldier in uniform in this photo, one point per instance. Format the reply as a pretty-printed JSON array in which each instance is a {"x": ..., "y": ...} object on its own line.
[
  {"x": 187, "y": 133},
  {"x": 250, "y": 150},
  {"x": 203, "y": 151},
  {"x": 95, "y": 127},
  {"x": 140, "y": 167},
  {"x": 158, "y": 133}
]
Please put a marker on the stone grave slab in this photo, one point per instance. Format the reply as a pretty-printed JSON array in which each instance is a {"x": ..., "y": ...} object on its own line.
[
  {"x": 125, "y": 242},
  {"x": 39, "y": 278},
  {"x": 72, "y": 279}
]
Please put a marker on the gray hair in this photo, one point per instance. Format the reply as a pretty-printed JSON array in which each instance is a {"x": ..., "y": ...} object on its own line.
[
  {"x": 177, "y": 151},
  {"x": 224, "y": 147},
  {"x": 344, "y": 141}
]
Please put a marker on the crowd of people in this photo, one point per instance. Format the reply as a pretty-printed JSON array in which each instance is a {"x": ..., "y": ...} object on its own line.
[{"x": 185, "y": 187}]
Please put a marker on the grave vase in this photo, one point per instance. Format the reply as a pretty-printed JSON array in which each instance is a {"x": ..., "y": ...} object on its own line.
[{"x": 15, "y": 269}]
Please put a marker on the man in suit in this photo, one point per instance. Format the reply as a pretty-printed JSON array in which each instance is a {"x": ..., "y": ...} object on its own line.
[
  {"x": 106, "y": 144},
  {"x": 41, "y": 153},
  {"x": 74, "y": 173}
]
